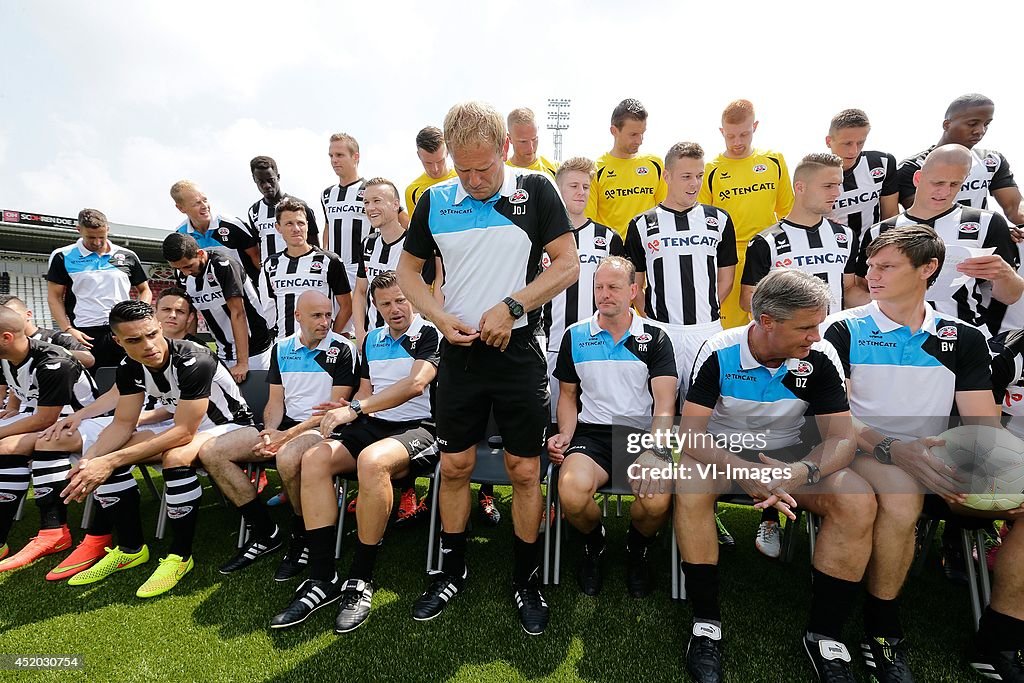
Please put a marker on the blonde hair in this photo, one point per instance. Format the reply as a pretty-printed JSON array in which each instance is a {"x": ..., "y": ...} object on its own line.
[
  {"x": 350, "y": 142},
  {"x": 179, "y": 188},
  {"x": 521, "y": 116},
  {"x": 581, "y": 164},
  {"x": 738, "y": 111},
  {"x": 468, "y": 124}
]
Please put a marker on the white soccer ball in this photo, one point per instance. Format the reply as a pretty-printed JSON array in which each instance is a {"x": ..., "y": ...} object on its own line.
[{"x": 992, "y": 459}]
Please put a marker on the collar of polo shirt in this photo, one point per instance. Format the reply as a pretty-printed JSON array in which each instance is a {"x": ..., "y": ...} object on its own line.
[
  {"x": 636, "y": 327},
  {"x": 324, "y": 344},
  {"x": 885, "y": 324},
  {"x": 85, "y": 253},
  {"x": 508, "y": 186},
  {"x": 414, "y": 328},
  {"x": 191, "y": 229}
]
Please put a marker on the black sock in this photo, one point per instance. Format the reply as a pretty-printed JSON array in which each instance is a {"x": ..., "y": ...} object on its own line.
[
  {"x": 526, "y": 562},
  {"x": 770, "y": 515},
  {"x": 486, "y": 490},
  {"x": 882, "y": 617},
  {"x": 14, "y": 478},
  {"x": 100, "y": 524},
  {"x": 636, "y": 541},
  {"x": 595, "y": 539},
  {"x": 321, "y": 553},
  {"x": 831, "y": 602},
  {"x": 183, "y": 494},
  {"x": 49, "y": 477},
  {"x": 702, "y": 591},
  {"x": 363, "y": 561},
  {"x": 298, "y": 527},
  {"x": 258, "y": 519},
  {"x": 1000, "y": 632},
  {"x": 118, "y": 502},
  {"x": 406, "y": 482},
  {"x": 453, "y": 553}
]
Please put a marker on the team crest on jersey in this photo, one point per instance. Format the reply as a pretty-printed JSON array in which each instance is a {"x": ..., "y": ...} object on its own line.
[
  {"x": 991, "y": 160},
  {"x": 803, "y": 368},
  {"x": 601, "y": 242},
  {"x": 332, "y": 354},
  {"x": 760, "y": 168},
  {"x": 642, "y": 170},
  {"x": 519, "y": 196},
  {"x": 359, "y": 195},
  {"x": 711, "y": 221},
  {"x": 211, "y": 278},
  {"x": 948, "y": 332},
  {"x": 271, "y": 266},
  {"x": 841, "y": 238},
  {"x": 878, "y": 173},
  {"x": 119, "y": 258},
  {"x": 643, "y": 338},
  {"x": 545, "y": 261},
  {"x": 1012, "y": 397},
  {"x": 223, "y": 232},
  {"x": 316, "y": 266},
  {"x": 969, "y": 227}
]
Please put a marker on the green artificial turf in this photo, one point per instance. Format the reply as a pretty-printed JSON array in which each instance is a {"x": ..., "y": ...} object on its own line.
[{"x": 214, "y": 628}]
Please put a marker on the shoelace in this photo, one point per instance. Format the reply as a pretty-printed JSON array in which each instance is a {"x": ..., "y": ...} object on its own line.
[
  {"x": 768, "y": 532},
  {"x": 531, "y": 597},
  {"x": 439, "y": 586},
  {"x": 706, "y": 648},
  {"x": 350, "y": 599},
  {"x": 893, "y": 656},
  {"x": 487, "y": 503}
]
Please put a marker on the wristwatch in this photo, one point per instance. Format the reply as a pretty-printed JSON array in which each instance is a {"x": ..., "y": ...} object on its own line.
[
  {"x": 356, "y": 408},
  {"x": 813, "y": 472},
  {"x": 514, "y": 307},
  {"x": 883, "y": 451},
  {"x": 661, "y": 453}
]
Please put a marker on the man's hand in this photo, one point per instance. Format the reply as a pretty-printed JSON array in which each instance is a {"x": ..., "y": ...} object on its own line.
[
  {"x": 645, "y": 485},
  {"x": 1017, "y": 233},
  {"x": 496, "y": 326},
  {"x": 335, "y": 418},
  {"x": 54, "y": 431},
  {"x": 1016, "y": 512},
  {"x": 455, "y": 331},
  {"x": 798, "y": 474},
  {"x": 269, "y": 443},
  {"x": 82, "y": 337},
  {"x": 8, "y": 412},
  {"x": 765, "y": 498},
  {"x": 321, "y": 408},
  {"x": 556, "y": 447},
  {"x": 84, "y": 480},
  {"x": 916, "y": 459},
  {"x": 991, "y": 267},
  {"x": 239, "y": 371}
]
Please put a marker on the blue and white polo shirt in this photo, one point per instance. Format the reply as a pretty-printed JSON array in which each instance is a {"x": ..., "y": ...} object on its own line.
[
  {"x": 94, "y": 282},
  {"x": 308, "y": 375},
  {"x": 386, "y": 360}
]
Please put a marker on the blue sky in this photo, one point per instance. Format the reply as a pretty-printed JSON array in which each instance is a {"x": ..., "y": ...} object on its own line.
[{"x": 107, "y": 104}]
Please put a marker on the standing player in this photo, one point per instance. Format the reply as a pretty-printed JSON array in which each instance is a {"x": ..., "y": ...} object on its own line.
[
  {"x": 966, "y": 122},
  {"x": 262, "y": 214},
  {"x": 220, "y": 288},
  {"x": 752, "y": 185},
  {"x": 214, "y": 231},
  {"x": 433, "y": 155},
  {"x": 77, "y": 348},
  {"x": 490, "y": 358},
  {"x": 958, "y": 289},
  {"x": 522, "y": 133},
  {"x": 345, "y": 224},
  {"x": 685, "y": 254},
  {"x": 870, "y": 191},
  {"x": 190, "y": 383},
  {"x": 44, "y": 380},
  {"x": 85, "y": 279},
  {"x": 806, "y": 239},
  {"x": 627, "y": 183},
  {"x": 612, "y": 365},
  {"x": 301, "y": 267}
]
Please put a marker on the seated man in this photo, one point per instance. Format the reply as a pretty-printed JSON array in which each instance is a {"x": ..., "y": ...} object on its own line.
[
  {"x": 310, "y": 367},
  {"x": 77, "y": 432},
  {"x": 614, "y": 364},
  {"x": 388, "y": 433},
  {"x": 188, "y": 381},
  {"x": 745, "y": 410},
  {"x": 77, "y": 348},
  {"x": 44, "y": 380}
]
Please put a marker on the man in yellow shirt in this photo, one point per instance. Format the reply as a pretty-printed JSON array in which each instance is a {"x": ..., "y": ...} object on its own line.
[
  {"x": 433, "y": 154},
  {"x": 627, "y": 182},
  {"x": 752, "y": 185},
  {"x": 522, "y": 133}
]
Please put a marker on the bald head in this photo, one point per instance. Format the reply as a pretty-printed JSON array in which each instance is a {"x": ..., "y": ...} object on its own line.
[
  {"x": 12, "y": 330},
  {"x": 314, "y": 313},
  {"x": 948, "y": 155},
  {"x": 13, "y": 303}
]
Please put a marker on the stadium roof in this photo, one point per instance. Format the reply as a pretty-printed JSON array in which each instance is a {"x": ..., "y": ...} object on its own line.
[{"x": 25, "y": 231}]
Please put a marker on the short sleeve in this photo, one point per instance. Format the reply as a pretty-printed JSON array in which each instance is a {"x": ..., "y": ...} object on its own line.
[
  {"x": 274, "y": 373},
  {"x": 998, "y": 236},
  {"x": 56, "y": 380},
  {"x": 827, "y": 389},
  {"x": 727, "y": 255},
  {"x": 195, "y": 380},
  {"x": 418, "y": 240},
  {"x": 345, "y": 368},
  {"x": 758, "y": 262},
  {"x": 662, "y": 359},
  {"x": 905, "y": 180},
  {"x": 973, "y": 372},
  {"x": 337, "y": 277},
  {"x": 428, "y": 346},
  {"x": 552, "y": 218},
  {"x": 706, "y": 386},
  {"x": 838, "y": 335},
  {"x": 634, "y": 248},
  {"x": 229, "y": 274},
  {"x": 129, "y": 378},
  {"x": 364, "y": 365},
  {"x": 312, "y": 231},
  {"x": 565, "y": 368},
  {"x": 1003, "y": 177},
  {"x": 891, "y": 182},
  {"x": 616, "y": 246},
  {"x": 57, "y": 271},
  {"x": 136, "y": 273}
]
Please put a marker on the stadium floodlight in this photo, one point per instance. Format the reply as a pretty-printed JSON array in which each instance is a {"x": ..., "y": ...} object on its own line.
[{"x": 558, "y": 121}]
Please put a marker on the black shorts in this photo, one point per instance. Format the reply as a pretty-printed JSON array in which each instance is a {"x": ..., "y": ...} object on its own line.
[
  {"x": 786, "y": 454},
  {"x": 595, "y": 442},
  {"x": 107, "y": 352},
  {"x": 474, "y": 380},
  {"x": 416, "y": 436}
]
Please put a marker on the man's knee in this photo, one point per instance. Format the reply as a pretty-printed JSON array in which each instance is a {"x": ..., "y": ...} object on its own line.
[
  {"x": 523, "y": 472},
  {"x": 316, "y": 461},
  {"x": 899, "y": 510},
  {"x": 182, "y": 456},
  {"x": 457, "y": 467},
  {"x": 651, "y": 508},
  {"x": 375, "y": 462},
  {"x": 576, "y": 488},
  {"x": 288, "y": 462}
]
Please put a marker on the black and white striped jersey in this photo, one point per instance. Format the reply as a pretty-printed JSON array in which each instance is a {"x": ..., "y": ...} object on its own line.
[
  {"x": 284, "y": 278},
  {"x": 262, "y": 220},
  {"x": 59, "y": 338},
  {"x": 681, "y": 252},
  {"x": 593, "y": 243},
  {"x": 826, "y": 251},
  {"x": 345, "y": 222},
  {"x": 873, "y": 176},
  {"x": 989, "y": 172},
  {"x": 221, "y": 278},
  {"x": 378, "y": 256},
  {"x": 48, "y": 376},
  {"x": 191, "y": 372},
  {"x": 960, "y": 227}
]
